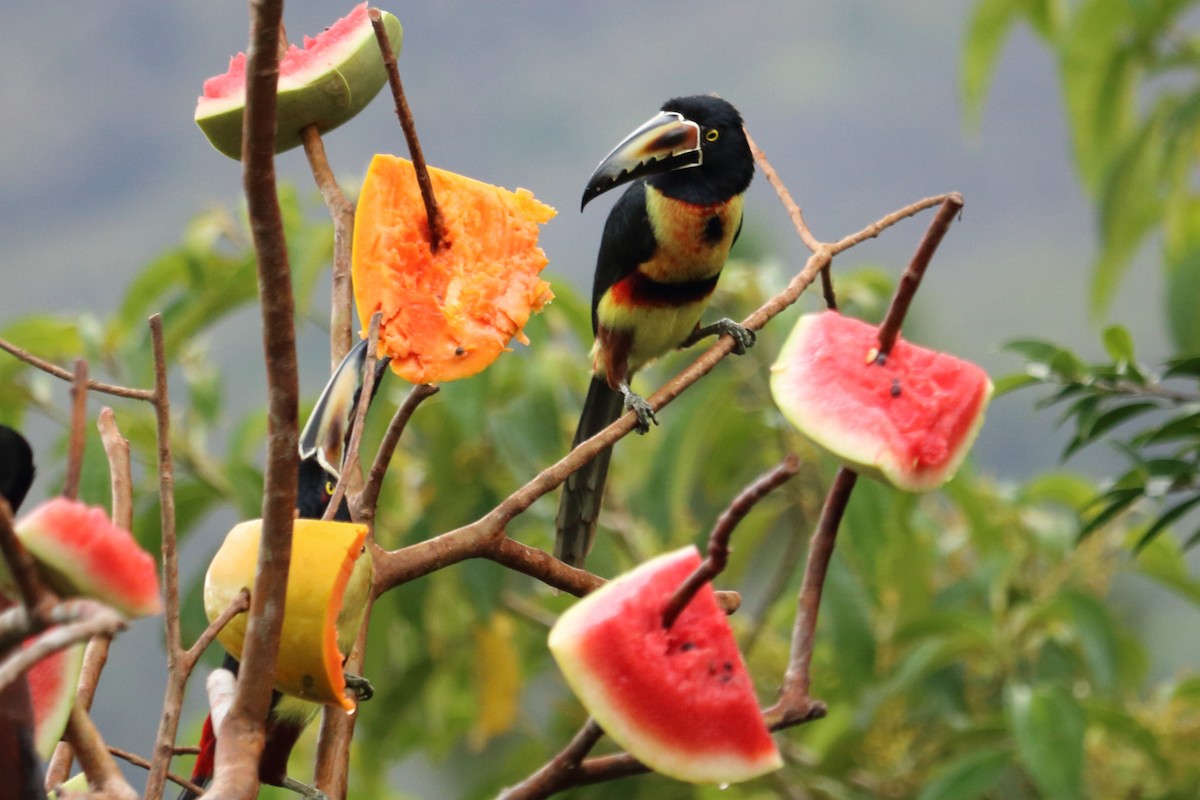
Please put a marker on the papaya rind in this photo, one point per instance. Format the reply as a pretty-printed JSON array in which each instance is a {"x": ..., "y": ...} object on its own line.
[
  {"x": 326, "y": 557},
  {"x": 326, "y": 96}
]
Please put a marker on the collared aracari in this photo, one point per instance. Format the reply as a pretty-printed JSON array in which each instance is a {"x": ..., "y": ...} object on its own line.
[
  {"x": 19, "y": 761},
  {"x": 661, "y": 253},
  {"x": 323, "y": 445}
]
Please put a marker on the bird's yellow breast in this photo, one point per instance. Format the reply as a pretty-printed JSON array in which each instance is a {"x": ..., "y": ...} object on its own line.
[
  {"x": 693, "y": 239},
  {"x": 659, "y": 304}
]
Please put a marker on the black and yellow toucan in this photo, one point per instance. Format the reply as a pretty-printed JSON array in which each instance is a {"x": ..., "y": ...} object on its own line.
[
  {"x": 323, "y": 443},
  {"x": 662, "y": 251}
]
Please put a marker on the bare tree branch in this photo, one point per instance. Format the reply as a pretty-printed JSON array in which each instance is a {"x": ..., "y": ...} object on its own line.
[
  {"x": 241, "y": 737},
  {"x": 78, "y": 438},
  {"x": 437, "y": 230},
  {"x": 341, "y": 210},
  {"x": 67, "y": 375}
]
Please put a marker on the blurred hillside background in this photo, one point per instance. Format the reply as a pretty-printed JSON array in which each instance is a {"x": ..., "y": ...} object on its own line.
[{"x": 856, "y": 104}]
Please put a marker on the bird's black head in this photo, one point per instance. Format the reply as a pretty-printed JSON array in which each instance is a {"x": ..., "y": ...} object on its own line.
[
  {"x": 16, "y": 467},
  {"x": 693, "y": 150},
  {"x": 314, "y": 489}
]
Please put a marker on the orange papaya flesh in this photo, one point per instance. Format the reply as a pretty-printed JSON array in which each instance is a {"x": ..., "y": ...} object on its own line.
[{"x": 449, "y": 314}]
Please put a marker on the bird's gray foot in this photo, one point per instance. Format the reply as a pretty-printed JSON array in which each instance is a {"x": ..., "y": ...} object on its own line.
[
  {"x": 743, "y": 337},
  {"x": 638, "y": 405}
]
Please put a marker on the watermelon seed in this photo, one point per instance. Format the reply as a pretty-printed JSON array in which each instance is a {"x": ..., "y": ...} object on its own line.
[
  {"x": 686, "y": 646},
  {"x": 895, "y": 387}
]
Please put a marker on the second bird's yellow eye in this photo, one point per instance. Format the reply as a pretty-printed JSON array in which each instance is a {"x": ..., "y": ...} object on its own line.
[
  {"x": 712, "y": 134},
  {"x": 329, "y": 487}
]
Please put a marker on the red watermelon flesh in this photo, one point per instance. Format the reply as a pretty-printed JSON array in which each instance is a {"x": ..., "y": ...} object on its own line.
[
  {"x": 679, "y": 700},
  {"x": 909, "y": 421},
  {"x": 52, "y": 685},
  {"x": 80, "y": 552},
  {"x": 325, "y": 83}
]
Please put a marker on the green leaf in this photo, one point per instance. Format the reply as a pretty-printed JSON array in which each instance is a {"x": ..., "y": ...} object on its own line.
[
  {"x": 1010, "y": 383},
  {"x": 1048, "y": 724},
  {"x": 969, "y": 776},
  {"x": 1115, "y": 501},
  {"x": 1118, "y": 343},
  {"x": 1093, "y": 427},
  {"x": 1188, "y": 366},
  {"x": 1186, "y": 426},
  {"x": 1130, "y": 206},
  {"x": 1095, "y": 630},
  {"x": 988, "y": 29},
  {"x": 1098, "y": 97},
  {"x": 1066, "y": 489},
  {"x": 1183, "y": 287},
  {"x": 1169, "y": 516}
]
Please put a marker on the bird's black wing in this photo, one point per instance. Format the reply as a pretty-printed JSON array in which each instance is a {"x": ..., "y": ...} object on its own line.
[{"x": 628, "y": 240}]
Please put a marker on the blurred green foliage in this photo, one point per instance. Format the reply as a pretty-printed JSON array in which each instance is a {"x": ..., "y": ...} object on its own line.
[
  {"x": 1130, "y": 75},
  {"x": 966, "y": 647}
]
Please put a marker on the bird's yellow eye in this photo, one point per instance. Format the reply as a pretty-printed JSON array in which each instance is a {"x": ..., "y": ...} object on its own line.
[
  {"x": 712, "y": 134},
  {"x": 329, "y": 487}
]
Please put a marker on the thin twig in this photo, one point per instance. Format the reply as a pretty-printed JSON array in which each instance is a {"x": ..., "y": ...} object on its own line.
[
  {"x": 560, "y": 771},
  {"x": 350, "y": 471},
  {"x": 103, "y": 774},
  {"x": 67, "y": 375},
  {"x": 20, "y": 563},
  {"x": 116, "y": 448},
  {"x": 793, "y": 697},
  {"x": 437, "y": 229},
  {"x": 889, "y": 329},
  {"x": 168, "y": 724},
  {"x": 364, "y": 505},
  {"x": 240, "y": 604},
  {"x": 718, "y": 540},
  {"x": 138, "y": 761},
  {"x": 785, "y": 197},
  {"x": 341, "y": 210},
  {"x": 78, "y": 438},
  {"x": 76, "y": 621}
]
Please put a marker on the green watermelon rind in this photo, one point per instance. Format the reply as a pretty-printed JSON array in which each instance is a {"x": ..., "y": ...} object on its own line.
[
  {"x": 50, "y": 719},
  {"x": 79, "y": 551},
  {"x": 811, "y": 405},
  {"x": 327, "y": 94},
  {"x": 717, "y": 764}
]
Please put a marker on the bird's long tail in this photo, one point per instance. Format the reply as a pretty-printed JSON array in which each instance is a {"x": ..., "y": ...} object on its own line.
[
  {"x": 579, "y": 508},
  {"x": 202, "y": 773}
]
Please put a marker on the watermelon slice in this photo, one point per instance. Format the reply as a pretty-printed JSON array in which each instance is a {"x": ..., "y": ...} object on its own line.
[
  {"x": 679, "y": 700},
  {"x": 52, "y": 685},
  {"x": 909, "y": 421},
  {"x": 80, "y": 552},
  {"x": 325, "y": 83}
]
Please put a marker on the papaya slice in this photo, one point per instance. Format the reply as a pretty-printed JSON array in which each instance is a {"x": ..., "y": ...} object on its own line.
[
  {"x": 328, "y": 582},
  {"x": 449, "y": 314}
]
